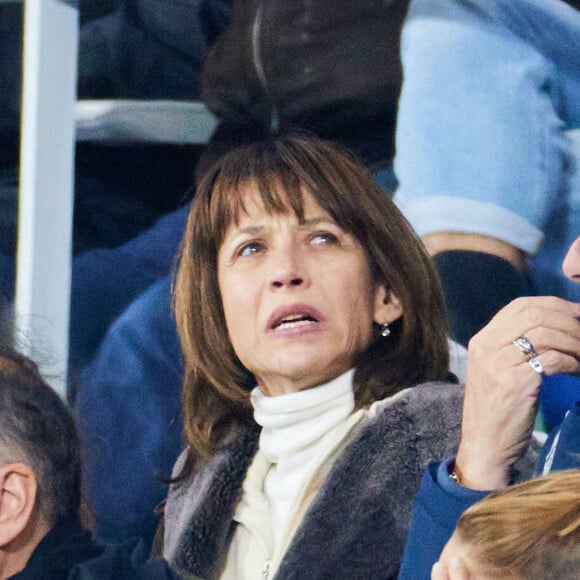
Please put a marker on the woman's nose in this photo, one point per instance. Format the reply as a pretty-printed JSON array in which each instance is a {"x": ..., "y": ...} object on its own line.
[
  {"x": 282, "y": 281},
  {"x": 287, "y": 269}
]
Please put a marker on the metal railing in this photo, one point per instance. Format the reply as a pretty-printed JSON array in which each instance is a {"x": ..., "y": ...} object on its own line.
[
  {"x": 52, "y": 120},
  {"x": 46, "y": 184}
]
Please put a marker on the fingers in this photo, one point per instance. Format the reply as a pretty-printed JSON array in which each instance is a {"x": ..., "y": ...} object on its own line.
[
  {"x": 533, "y": 306},
  {"x": 439, "y": 572},
  {"x": 550, "y": 324},
  {"x": 554, "y": 362},
  {"x": 557, "y": 352},
  {"x": 546, "y": 338},
  {"x": 535, "y": 322},
  {"x": 455, "y": 570}
]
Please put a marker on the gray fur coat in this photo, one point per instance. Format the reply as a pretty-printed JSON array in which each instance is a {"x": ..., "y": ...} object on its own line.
[{"x": 356, "y": 526}]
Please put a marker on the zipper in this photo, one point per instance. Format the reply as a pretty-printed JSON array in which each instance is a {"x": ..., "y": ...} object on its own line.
[
  {"x": 266, "y": 570},
  {"x": 259, "y": 66}
]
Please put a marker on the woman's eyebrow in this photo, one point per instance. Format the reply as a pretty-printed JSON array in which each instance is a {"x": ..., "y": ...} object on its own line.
[
  {"x": 249, "y": 231},
  {"x": 254, "y": 230},
  {"x": 314, "y": 221}
]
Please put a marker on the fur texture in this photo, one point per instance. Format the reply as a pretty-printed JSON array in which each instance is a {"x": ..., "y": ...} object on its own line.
[{"x": 356, "y": 525}]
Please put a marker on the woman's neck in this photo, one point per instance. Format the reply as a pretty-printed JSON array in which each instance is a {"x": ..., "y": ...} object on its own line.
[
  {"x": 299, "y": 431},
  {"x": 293, "y": 421}
]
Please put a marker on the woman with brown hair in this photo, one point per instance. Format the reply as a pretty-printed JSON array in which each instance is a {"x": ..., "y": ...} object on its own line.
[{"x": 300, "y": 280}]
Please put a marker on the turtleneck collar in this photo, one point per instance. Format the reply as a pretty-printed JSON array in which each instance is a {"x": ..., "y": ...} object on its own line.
[{"x": 293, "y": 422}]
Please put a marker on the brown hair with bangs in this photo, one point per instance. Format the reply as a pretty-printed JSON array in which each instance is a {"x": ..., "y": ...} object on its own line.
[{"x": 215, "y": 387}]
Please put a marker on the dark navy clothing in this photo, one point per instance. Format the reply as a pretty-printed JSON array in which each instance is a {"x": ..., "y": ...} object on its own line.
[
  {"x": 11, "y": 73},
  {"x": 472, "y": 301},
  {"x": 128, "y": 414},
  {"x": 148, "y": 49},
  {"x": 68, "y": 552},
  {"x": 435, "y": 515},
  {"x": 559, "y": 393},
  {"x": 106, "y": 281}
]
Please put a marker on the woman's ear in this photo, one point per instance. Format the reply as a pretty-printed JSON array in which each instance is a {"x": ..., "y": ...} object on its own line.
[
  {"x": 18, "y": 488},
  {"x": 387, "y": 306}
]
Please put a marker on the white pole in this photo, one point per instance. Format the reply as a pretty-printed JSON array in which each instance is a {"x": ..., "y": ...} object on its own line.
[{"x": 46, "y": 186}]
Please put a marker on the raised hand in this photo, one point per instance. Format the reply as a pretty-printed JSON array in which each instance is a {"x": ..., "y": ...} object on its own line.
[{"x": 503, "y": 384}]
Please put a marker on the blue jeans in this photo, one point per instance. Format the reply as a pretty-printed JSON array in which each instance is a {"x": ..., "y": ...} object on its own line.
[
  {"x": 127, "y": 405},
  {"x": 490, "y": 90},
  {"x": 106, "y": 281},
  {"x": 146, "y": 49},
  {"x": 128, "y": 412}
]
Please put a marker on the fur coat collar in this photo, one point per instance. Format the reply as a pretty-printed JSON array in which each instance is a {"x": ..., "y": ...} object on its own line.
[{"x": 356, "y": 526}]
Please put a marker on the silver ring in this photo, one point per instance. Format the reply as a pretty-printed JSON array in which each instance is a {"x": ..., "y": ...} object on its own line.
[
  {"x": 526, "y": 347},
  {"x": 535, "y": 363}
]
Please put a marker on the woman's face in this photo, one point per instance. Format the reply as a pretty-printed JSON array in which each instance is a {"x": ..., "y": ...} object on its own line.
[{"x": 298, "y": 297}]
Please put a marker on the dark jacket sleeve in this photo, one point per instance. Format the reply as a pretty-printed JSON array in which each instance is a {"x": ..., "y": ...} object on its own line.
[
  {"x": 436, "y": 511},
  {"x": 127, "y": 561}
]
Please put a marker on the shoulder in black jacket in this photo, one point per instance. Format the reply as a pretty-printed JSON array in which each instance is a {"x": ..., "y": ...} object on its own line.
[{"x": 68, "y": 552}]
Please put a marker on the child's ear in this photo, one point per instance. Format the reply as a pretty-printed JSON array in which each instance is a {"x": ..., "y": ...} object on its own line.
[{"x": 18, "y": 489}]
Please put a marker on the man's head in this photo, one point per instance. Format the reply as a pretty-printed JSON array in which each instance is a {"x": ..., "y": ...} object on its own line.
[{"x": 40, "y": 474}]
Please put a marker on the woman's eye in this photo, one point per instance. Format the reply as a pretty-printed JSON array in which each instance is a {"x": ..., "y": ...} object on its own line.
[
  {"x": 324, "y": 238},
  {"x": 250, "y": 248}
]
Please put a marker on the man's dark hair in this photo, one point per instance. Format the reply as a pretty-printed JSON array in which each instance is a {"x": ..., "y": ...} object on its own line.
[{"x": 37, "y": 428}]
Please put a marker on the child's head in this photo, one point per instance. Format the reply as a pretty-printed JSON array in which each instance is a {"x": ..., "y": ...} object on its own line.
[{"x": 530, "y": 530}]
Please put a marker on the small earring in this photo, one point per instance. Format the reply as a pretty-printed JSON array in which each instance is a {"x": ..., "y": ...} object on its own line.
[{"x": 385, "y": 330}]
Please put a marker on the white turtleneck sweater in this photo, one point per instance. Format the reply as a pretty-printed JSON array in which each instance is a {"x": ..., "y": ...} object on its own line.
[{"x": 301, "y": 435}]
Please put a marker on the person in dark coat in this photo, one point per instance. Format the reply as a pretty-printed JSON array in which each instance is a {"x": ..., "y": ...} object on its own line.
[{"x": 329, "y": 68}]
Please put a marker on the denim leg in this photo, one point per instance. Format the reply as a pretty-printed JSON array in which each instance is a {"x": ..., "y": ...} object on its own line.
[
  {"x": 148, "y": 49},
  {"x": 106, "y": 281},
  {"x": 489, "y": 90},
  {"x": 128, "y": 413}
]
